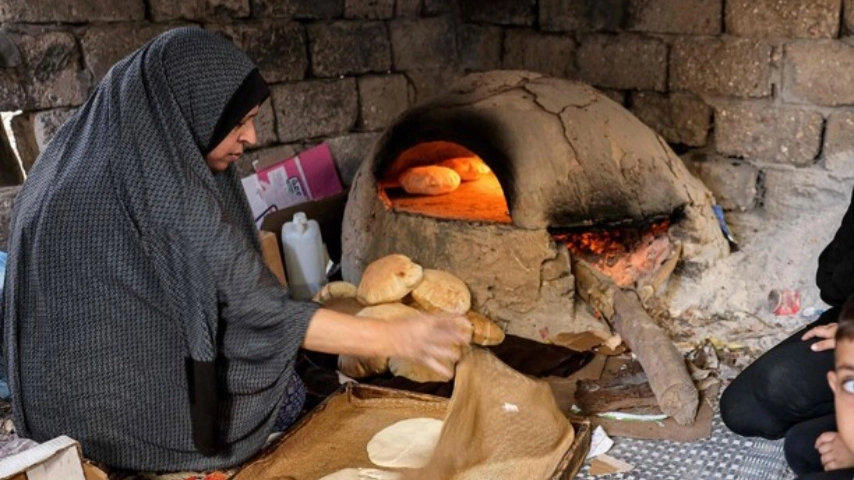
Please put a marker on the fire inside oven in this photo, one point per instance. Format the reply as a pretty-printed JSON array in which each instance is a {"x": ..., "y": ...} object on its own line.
[{"x": 444, "y": 180}]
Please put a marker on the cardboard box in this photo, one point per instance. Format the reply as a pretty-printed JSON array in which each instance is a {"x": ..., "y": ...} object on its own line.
[
  {"x": 57, "y": 459},
  {"x": 329, "y": 213},
  {"x": 272, "y": 254},
  {"x": 309, "y": 175}
]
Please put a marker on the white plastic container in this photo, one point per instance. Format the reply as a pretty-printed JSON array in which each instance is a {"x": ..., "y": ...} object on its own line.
[{"x": 304, "y": 256}]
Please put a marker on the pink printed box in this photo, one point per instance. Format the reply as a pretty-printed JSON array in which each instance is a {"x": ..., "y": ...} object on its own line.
[{"x": 309, "y": 175}]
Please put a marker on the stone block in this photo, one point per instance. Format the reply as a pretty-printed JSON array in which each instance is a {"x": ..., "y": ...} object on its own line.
[
  {"x": 10, "y": 168},
  {"x": 500, "y": 12},
  {"x": 33, "y": 131},
  {"x": 582, "y": 15},
  {"x": 618, "y": 96},
  {"x": 71, "y": 11},
  {"x": 382, "y": 99},
  {"x": 408, "y": 8},
  {"x": 429, "y": 82},
  {"x": 298, "y": 9},
  {"x": 783, "y": 18},
  {"x": 369, "y": 9},
  {"x": 623, "y": 62},
  {"x": 680, "y": 118},
  {"x": 762, "y": 131},
  {"x": 105, "y": 44},
  {"x": 423, "y": 44},
  {"x": 13, "y": 95},
  {"x": 265, "y": 125},
  {"x": 349, "y": 151},
  {"x": 278, "y": 47},
  {"x": 346, "y": 48},
  {"x": 817, "y": 73},
  {"x": 839, "y": 142},
  {"x": 692, "y": 17},
  {"x": 479, "y": 47},
  {"x": 315, "y": 108},
  {"x": 733, "y": 182},
  {"x": 10, "y": 56},
  {"x": 51, "y": 74},
  {"x": 723, "y": 66},
  {"x": 432, "y": 8},
  {"x": 550, "y": 54},
  {"x": 199, "y": 10},
  {"x": 24, "y": 134}
]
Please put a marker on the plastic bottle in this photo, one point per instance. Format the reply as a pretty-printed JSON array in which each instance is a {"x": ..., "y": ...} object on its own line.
[{"x": 304, "y": 256}]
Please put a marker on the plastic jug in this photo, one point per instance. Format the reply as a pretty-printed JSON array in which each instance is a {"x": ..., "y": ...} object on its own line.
[{"x": 304, "y": 256}]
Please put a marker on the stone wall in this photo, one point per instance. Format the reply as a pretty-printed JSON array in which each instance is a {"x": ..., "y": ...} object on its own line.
[{"x": 740, "y": 88}]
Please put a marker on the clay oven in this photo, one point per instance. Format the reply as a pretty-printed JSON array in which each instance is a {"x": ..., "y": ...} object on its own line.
[{"x": 564, "y": 158}]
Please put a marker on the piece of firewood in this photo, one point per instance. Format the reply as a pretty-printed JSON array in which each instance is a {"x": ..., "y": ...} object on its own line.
[{"x": 664, "y": 365}]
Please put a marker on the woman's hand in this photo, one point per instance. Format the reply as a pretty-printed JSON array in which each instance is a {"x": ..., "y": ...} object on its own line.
[
  {"x": 423, "y": 338},
  {"x": 827, "y": 332},
  {"x": 433, "y": 340}
]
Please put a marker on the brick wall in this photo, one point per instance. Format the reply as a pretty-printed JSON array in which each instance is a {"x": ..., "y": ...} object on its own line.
[{"x": 740, "y": 88}]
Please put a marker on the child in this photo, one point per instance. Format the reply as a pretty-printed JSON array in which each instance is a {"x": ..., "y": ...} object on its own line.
[{"x": 823, "y": 448}]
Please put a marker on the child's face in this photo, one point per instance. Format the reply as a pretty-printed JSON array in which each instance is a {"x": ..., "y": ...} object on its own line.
[{"x": 842, "y": 383}]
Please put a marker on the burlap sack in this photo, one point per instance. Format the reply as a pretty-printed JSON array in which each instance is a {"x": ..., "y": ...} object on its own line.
[{"x": 500, "y": 425}]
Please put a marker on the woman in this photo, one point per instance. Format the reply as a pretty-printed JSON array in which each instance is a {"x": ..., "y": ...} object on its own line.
[
  {"x": 139, "y": 317},
  {"x": 785, "y": 391}
]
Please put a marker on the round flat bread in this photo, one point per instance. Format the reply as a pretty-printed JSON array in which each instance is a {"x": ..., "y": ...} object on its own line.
[
  {"x": 441, "y": 291},
  {"x": 468, "y": 168},
  {"x": 362, "y": 474},
  {"x": 388, "y": 279},
  {"x": 430, "y": 180},
  {"x": 405, "y": 444}
]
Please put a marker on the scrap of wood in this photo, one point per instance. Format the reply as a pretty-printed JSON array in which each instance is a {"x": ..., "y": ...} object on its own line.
[
  {"x": 664, "y": 365},
  {"x": 605, "y": 465}
]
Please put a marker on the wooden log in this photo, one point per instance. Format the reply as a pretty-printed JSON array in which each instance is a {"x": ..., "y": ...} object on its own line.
[{"x": 664, "y": 365}]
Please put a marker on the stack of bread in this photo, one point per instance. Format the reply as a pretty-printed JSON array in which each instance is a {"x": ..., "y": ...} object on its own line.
[
  {"x": 444, "y": 177},
  {"x": 395, "y": 288}
]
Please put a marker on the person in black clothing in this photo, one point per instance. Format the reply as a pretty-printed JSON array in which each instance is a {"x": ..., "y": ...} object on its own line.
[{"x": 785, "y": 392}]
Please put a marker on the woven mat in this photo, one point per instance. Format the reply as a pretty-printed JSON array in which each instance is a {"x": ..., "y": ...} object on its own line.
[{"x": 723, "y": 456}]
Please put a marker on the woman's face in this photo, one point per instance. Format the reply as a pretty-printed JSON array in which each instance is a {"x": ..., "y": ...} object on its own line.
[{"x": 231, "y": 148}]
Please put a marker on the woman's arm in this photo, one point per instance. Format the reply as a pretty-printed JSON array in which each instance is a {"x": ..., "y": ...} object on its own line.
[{"x": 427, "y": 339}]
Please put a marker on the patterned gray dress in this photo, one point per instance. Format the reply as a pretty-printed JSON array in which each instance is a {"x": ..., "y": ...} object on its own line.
[{"x": 131, "y": 264}]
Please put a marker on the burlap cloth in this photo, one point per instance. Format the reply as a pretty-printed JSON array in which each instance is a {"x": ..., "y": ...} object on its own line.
[{"x": 499, "y": 424}]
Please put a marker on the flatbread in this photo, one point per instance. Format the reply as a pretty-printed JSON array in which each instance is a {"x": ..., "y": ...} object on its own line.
[
  {"x": 441, "y": 291},
  {"x": 468, "y": 168},
  {"x": 388, "y": 279},
  {"x": 362, "y": 474},
  {"x": 405, "y": 444},
  {"x": 430, "y": 180}
]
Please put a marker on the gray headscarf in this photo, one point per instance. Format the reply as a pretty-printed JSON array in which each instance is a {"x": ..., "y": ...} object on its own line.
[{"x": 135, "y": 275}]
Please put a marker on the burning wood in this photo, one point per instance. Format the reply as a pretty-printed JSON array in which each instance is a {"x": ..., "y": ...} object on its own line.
[
  {"x": 626, "y": 256},
  {"x": 668, "y": 376}
]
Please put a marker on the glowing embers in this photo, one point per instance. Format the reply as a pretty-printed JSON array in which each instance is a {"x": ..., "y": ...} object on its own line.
[
  {"x": 457, "y": 185},
  {"x": 626, "y": 255}
]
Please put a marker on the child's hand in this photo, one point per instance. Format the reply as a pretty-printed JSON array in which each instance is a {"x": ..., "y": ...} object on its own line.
[
  {"x": 827, "y": 332},
  {"x": 834, "y": 453}
]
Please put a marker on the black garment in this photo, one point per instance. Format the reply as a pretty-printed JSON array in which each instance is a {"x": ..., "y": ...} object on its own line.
[
  {"x": 785, "y": 386},
  {"x": 134, "y": 272},
  {"x": 251, "y": 93},
  {"x": 799, "y": 446},
  {"x": 844, "y": 474},
  {"x": 835, "y": 276},
  {"x": 802, "y": 456}
]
